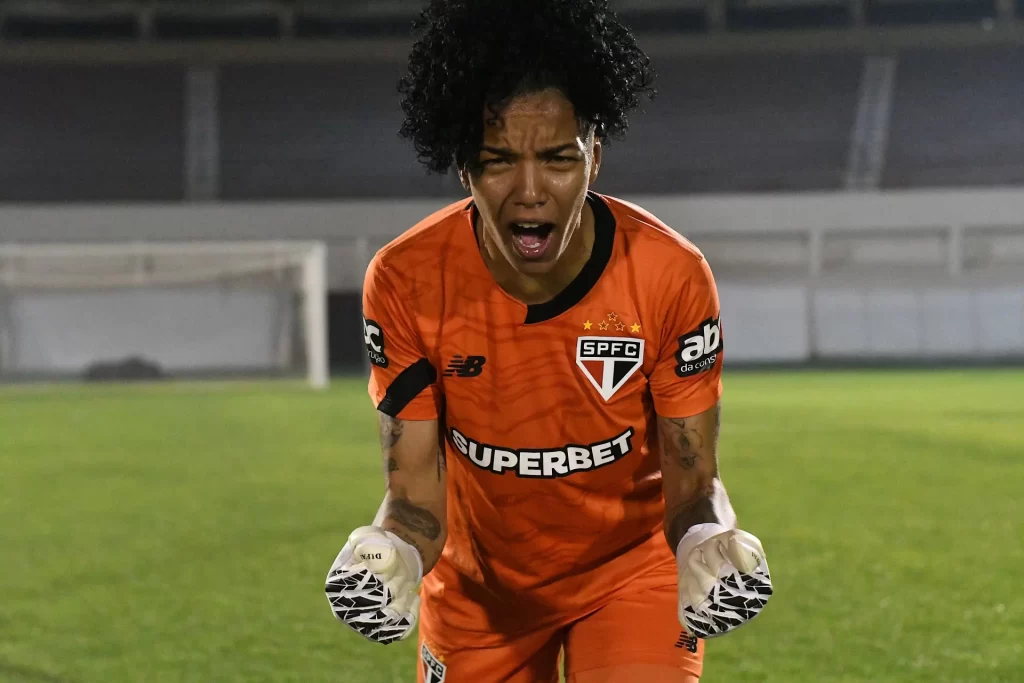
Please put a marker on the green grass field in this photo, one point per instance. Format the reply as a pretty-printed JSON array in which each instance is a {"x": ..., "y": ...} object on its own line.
[{"x": 182, "y": 532}]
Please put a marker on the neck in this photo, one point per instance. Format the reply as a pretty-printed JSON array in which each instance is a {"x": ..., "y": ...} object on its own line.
[{"x": 537, "y": 289}]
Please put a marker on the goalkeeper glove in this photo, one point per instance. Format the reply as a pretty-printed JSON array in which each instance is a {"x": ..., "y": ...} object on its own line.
[
  {"x": 723, "y": 579},
  {"x": 373, "y": 585}
]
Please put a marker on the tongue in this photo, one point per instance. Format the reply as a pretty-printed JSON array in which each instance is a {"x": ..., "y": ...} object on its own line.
[
  {"x": 530, "y": 240},
  {"x": 531, "y": 245}
]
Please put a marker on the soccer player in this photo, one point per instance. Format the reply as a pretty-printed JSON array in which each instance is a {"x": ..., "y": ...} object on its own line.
[{"x": 546, "y": 368}]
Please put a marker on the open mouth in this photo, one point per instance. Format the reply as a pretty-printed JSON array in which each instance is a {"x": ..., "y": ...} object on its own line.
[{"x": 531, "y": 240}]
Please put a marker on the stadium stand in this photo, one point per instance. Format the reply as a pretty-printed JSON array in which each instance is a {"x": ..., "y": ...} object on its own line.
[
  {"x": 80, "y": 133},
  {"x": 317, "y": 19},
  {"x": 315, "y": 137},
  {"x": 741, "y": 124},
  {"x": 721, "y": 123},
  {"x": 978, "y": 139}
]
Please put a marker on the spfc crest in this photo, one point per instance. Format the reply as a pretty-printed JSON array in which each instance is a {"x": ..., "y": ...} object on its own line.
[
  {"x": 609, "y": 361},
  {"x": 434, "y": 669}
]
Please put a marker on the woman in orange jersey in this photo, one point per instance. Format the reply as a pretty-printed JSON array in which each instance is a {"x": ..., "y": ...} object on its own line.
[{"x": 546, "y": 366}]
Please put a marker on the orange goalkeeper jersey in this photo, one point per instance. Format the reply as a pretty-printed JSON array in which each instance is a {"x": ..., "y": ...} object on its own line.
[{"x": 548, "y": 411}]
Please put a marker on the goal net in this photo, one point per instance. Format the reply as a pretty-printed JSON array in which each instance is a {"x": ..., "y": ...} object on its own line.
[{"x": 150, "y": 310}]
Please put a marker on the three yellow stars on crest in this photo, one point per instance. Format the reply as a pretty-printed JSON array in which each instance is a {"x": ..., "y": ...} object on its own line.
[{"x": 613, "y": 319}]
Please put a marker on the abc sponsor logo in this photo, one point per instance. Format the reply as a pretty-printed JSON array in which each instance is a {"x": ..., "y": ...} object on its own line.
[{"x": 698, "y": 350}]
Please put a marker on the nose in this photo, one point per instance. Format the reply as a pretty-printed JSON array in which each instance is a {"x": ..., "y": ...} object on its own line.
[{"x": 530, "y": 191}]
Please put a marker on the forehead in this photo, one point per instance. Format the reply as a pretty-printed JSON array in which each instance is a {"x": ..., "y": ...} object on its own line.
[{"x": 532, "y": 118}]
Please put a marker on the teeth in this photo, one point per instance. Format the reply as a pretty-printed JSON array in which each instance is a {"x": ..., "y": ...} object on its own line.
[{"x": 529, "y": 225}]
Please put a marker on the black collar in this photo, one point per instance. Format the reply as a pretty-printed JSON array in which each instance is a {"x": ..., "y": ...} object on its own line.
[{"x": 600, "y": 254}]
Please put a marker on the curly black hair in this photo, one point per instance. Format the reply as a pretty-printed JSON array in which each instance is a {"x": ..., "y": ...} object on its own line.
[{"x": 474, "y": 54}]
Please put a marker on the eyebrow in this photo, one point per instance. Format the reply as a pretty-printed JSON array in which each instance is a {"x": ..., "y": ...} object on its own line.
[{"x": 550, "y": 151}]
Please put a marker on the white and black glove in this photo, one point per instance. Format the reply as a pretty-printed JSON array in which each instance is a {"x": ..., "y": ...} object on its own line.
[
  {"x": 723, "y": 579},
  {"x": 373, "y": 585}
]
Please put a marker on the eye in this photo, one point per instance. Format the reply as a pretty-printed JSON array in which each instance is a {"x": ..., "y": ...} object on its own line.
[
  {"x": 563, "y": 160},
  {"x": 486, "y": 163}
]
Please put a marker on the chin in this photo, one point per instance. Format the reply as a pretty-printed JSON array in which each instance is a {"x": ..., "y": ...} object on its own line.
[
  {"x": 540, "y": 266},
  {"x": 533, "y": 267}
]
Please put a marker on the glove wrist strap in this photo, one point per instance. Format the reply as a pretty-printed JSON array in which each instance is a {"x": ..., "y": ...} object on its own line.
[{"x": 694, "y": 536}]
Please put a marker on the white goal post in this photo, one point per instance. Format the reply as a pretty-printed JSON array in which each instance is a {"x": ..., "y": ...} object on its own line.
[{"x": 182, "y": 309}]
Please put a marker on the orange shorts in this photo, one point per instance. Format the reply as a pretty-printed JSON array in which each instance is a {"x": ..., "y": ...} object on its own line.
[{"x": 635, "y": 629}]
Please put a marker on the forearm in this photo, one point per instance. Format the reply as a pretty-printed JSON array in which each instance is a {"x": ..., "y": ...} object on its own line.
[
  {"x": 414, "y": 506},
  {"x": 697, "y": 508},
  {"x": 416, "y": 524},
  {"x": 694, "y": 494}
]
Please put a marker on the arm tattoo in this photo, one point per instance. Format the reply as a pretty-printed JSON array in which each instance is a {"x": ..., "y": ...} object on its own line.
[
  {"x": 680, "y": 443},
  {"x": 415, "y": 519},
  {"x": 390, "y": 433},
  {"x": 442, "y": 452},
  {"x": 390, "y": 430},
  {"x": 698, "y": 495},
  {"x": 408, "y": 538},
  {"x": 442, "y": 460}
]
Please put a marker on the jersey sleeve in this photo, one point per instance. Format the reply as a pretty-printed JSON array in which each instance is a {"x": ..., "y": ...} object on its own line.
[
  {"x": 403, "y": 383},
  {"x": 687, "y": 377}
]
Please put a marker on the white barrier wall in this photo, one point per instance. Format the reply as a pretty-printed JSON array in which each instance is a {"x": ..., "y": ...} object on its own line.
[
  {"x": 794, "y": 324},
  {"x": 910, "y": 275}
]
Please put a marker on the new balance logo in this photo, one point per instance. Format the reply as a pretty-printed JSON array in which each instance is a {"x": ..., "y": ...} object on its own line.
[
  {"x": 687, "y": 641},
  {"x": 470, "y": 366}
]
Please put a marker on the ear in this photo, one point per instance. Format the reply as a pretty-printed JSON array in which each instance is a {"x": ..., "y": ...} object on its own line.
[
  {"x": 464, "y": 179},
  {"x": 595, "y": 167}
]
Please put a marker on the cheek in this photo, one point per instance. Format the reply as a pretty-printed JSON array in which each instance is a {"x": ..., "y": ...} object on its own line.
[
  {"x": 571, "y": 189},
  {"x": 489, "y": 195},
  {"x": 574, "y": 182}
]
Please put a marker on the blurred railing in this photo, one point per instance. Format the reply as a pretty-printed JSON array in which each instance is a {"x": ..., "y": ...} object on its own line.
[{"x": 879, "y": 237}]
